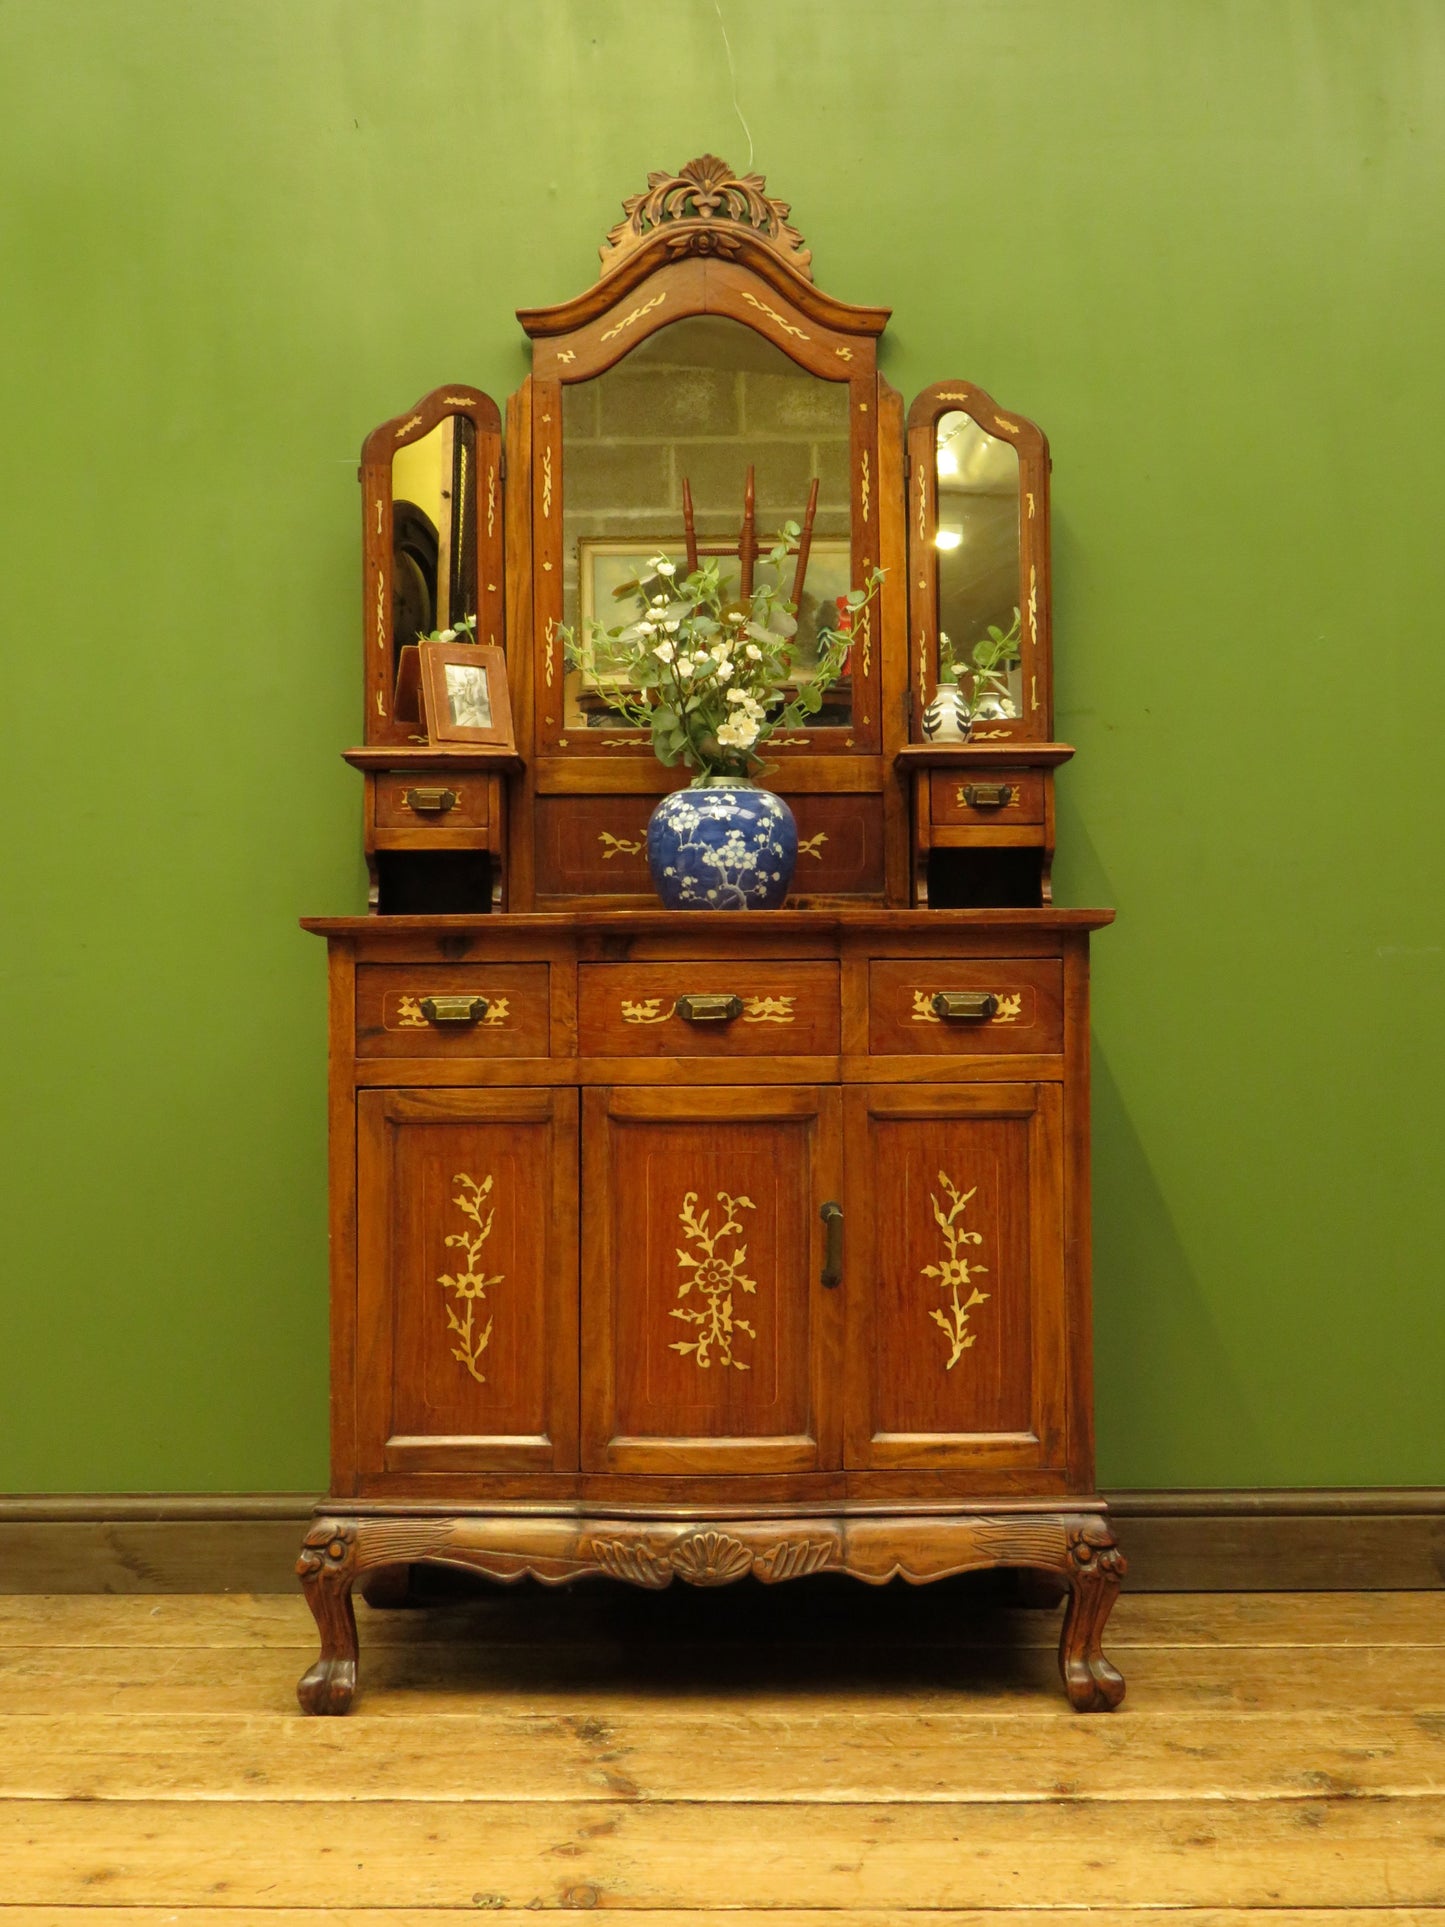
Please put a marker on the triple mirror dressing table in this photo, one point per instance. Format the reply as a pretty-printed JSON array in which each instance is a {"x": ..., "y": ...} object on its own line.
[{"x": 682, "y": 1246}]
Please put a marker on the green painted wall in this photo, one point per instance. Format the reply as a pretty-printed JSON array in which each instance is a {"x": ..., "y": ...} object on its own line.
[{"x": 1198, "y": 240}]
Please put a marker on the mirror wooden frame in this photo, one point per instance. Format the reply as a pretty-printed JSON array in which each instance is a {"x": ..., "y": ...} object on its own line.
[
  {"x": 1035, "y": 723},
  {"x": 383, "y": 726}
]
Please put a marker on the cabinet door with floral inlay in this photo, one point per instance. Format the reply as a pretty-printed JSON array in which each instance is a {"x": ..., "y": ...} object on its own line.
[
  {"x": 710, "y": 1341},
  {"x": 467, "y": 1281},
  {"x": 954, "y": 1279}
]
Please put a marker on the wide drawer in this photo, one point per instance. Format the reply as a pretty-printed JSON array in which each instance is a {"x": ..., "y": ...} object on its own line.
[
  {"x": 446, "y": 1010},
  {"x": 713, "y": 1009},
  {"x": 1008, "y": 797},
  {"x": 432, "y": 801},
  {"x": 985, "y": 1005}
]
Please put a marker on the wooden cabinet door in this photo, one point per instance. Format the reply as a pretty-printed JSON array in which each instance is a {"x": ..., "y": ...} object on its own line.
[
  {"x": 954, "y": 1278},
  {"x": 709, "y": 1341},
  {"x": 467, "y": 1280}
]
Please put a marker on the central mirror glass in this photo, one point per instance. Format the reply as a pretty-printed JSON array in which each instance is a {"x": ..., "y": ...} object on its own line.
[
  {"x": 699, "y": 403},
  {"x": 977, "y": 539}
]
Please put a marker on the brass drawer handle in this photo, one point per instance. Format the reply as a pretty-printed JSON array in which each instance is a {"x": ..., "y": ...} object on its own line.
[
  {"x": 968, "y": 1006},
  {"x": 430, "y": 802},
  {"x": 988, "y": 796},
  {"x": 832, "y": 1216},
  {"x": 454, "y": 1010},
  {"x": 709, "y": 1010}
]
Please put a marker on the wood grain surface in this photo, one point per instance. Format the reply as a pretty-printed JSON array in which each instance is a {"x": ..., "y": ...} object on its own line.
[{"x": 870, "y": 1757}]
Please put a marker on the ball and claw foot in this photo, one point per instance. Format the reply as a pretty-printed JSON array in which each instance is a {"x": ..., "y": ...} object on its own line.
[
  {"x": 1097, "y": 1570},
  {"x": 327, "y": 1686},
  {"x": 327, "y": 1569}
]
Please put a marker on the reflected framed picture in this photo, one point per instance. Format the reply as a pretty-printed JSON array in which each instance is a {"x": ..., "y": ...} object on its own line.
[{"x": 464, "y": 694}]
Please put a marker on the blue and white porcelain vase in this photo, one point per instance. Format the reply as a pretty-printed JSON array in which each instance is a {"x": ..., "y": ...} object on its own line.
[{"x": 723, "y": 845}]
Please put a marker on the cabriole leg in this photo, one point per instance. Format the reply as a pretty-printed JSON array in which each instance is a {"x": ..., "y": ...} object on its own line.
[
  {"x": 1096, "y": 1571},
  {"x": 327, "y": 1569}
]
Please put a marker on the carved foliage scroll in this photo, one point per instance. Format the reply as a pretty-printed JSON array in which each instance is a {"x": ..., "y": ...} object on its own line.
[{"x": 707, "y": 203}]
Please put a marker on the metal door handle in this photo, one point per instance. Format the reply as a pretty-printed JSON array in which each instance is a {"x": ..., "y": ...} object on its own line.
[
  {"x": 832, "y": 1215},
  {"x": 988, "y": 796}
]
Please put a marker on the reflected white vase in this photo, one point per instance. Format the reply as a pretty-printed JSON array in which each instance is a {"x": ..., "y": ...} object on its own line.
[{"x": 947, "y": 718}]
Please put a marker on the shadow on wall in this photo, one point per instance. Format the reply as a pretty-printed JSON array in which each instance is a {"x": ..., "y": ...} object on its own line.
[{"x": 1160, "y": 1356}]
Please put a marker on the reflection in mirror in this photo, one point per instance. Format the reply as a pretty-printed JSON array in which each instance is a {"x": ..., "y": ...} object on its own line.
[
  {"x": 700, "y": 402},
  {"x": 977, "y": 539},
  {"x": 433, "y": 531}
]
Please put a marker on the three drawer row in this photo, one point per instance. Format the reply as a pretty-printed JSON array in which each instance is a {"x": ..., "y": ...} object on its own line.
[{"x": 916, "y": 1006}]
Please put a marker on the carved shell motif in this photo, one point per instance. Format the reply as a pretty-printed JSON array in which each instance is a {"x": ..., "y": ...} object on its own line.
[
  {"x": 711, "y": 1559},
  {"x": 707, "y": 190}
]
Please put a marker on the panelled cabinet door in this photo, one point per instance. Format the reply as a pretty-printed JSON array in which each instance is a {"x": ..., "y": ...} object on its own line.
[
  {"x": 955, "y": 1278},
  {"x": 709, "y": 1340},
  {"x": 467, "y": 1280}
]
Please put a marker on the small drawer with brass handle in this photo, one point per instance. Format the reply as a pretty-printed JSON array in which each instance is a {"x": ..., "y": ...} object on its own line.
[
  {"x": 1016, "y": 798},
  {"x": 425, "y": 809},
  {"x": 663, "y": 1010},
  {"x": 974, "y": 1006},
  {"x": 468, "y": 1010}
]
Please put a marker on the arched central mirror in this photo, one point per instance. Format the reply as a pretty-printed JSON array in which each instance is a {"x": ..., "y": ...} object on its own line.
[{"x": 669, "y": 436}]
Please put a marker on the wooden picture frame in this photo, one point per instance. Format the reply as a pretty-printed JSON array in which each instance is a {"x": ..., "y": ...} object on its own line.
[{"x": 464, "y": 694}]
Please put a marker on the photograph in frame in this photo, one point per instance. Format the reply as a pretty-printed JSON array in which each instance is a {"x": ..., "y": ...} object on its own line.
[{"x": 464, "y": 691}]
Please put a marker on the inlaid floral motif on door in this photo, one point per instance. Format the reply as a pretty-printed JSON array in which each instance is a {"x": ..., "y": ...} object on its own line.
[
  {"x": 955, "y": 1273},
  {"x": 469, "y": 1287},
  {"x": 713, "y": 1272}
]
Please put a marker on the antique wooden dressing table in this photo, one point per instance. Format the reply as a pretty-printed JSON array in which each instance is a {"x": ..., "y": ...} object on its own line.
[{"x": 694, "y": 1245}]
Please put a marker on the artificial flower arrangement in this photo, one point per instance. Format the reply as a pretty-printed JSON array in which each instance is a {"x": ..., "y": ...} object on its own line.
[{"x": 706, "y": 669}]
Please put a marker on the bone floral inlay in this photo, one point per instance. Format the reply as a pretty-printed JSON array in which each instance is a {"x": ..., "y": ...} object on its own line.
[
  {"x": 712, "y": 1274},
  {"x": 813, "y": 845},
  {"x": 955, "y": 1274},
  {"x": 649, "y": 1011},
  {"x": 636, "y": 315},
  {"x": 618, "y": 845},
  {"x": 773, "y": 315},
  {"x": 469, "y": 1287}
]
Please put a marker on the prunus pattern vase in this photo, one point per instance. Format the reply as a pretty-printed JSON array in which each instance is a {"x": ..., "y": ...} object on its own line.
[{"x": 722, "y": 846}]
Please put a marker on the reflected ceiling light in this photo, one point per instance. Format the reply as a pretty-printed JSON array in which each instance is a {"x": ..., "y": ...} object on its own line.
[
  {"x": 948, "y": 539},
  {"x": 947, "y": 462}
]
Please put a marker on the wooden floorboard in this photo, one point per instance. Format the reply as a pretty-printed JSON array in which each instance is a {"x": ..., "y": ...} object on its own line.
[{"x": 839, "y": 1759}]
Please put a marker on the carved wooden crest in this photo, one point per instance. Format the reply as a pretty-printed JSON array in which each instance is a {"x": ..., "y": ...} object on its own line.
[{"x": 706, "y": 200}]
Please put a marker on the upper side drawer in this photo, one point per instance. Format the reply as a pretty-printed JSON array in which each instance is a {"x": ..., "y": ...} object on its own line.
[
  {"x": 1006, "y": 796},
  {"x": 1027, "y": 1013},
  {"x": 432, "y": 801},
  {"x": 451, "y": 1010},
  {"x": 713, "y": 1009}
]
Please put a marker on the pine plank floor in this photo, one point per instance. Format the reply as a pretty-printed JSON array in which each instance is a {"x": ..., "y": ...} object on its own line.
[{"x": 819, "y": 1755}]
